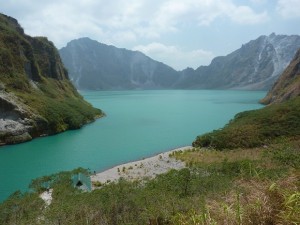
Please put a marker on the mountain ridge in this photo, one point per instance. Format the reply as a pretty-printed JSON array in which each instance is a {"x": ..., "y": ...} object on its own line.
[{"x": 254, "y": 66}]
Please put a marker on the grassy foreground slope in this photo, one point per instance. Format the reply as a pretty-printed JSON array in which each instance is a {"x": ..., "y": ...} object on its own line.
[
  {"x": 245, "y": 186},
  {"x": 36, "y": 96}
]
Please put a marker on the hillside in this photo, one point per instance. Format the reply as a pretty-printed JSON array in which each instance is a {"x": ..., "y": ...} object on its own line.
[
  {"x": 36, "y": 96},
  {"x": 288, "y": 84},
  {"x": 96, "y": 66}
]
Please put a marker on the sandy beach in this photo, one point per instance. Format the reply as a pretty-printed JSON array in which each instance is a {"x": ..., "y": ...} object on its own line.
[{"x": 148, "y": 167}]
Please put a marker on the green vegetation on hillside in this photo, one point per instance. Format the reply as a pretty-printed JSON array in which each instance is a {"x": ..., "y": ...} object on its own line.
[
  {"x": 35, "y": 87},
  {"x": 256, "y": 128},
  {"x": 251, "y": 186},
  {"x": 60, "y": 105}
]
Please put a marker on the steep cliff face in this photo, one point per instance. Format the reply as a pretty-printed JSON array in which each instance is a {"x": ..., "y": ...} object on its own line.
[
  {"x": 255, "y": 66},
  {"x": 36, "y": 96},
  {"x": 97, "y": 66},
  {"x": 288, "y": 84}
]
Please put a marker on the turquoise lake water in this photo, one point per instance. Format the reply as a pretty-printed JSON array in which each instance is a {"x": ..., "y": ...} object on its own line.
[{"x": 137, "y": 124}]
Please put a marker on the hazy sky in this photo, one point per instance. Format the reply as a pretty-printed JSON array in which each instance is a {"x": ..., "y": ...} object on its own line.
[{"x": 180, "y": 33}]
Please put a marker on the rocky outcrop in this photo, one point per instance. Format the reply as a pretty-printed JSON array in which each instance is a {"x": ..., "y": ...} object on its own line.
[
  {"x": 36, "y": 96},
  {"x": 96, "y": 66},
  {"x": 288, "y": 84},
  {"x": 14, "y": 124}
]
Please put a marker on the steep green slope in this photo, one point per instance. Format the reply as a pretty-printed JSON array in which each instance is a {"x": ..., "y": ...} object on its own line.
[{"x": 36, "y": 96}]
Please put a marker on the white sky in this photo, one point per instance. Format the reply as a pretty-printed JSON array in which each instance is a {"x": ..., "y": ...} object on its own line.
[{"x": 179, "y": 33}]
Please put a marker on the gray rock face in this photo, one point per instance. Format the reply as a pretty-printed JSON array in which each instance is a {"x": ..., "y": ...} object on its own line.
[
  {"x": 18, "y": 122},
  {"x": 14, "y": 126},
  {"x": 255, "y": 66},
  {"x": 15, "y": 131},
  {"x": 95, "y": 66}
]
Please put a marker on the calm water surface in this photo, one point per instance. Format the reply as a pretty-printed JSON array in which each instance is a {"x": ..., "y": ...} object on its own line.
[{"x": 138, "y": 124}]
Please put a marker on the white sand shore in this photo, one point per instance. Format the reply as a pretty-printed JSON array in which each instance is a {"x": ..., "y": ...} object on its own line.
[{"x": 149, "y": 167}]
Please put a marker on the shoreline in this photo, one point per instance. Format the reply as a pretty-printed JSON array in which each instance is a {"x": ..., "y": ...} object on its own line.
[{"x": 145, "y": 168}]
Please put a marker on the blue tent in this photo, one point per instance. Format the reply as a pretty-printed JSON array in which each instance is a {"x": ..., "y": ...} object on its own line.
[{"x": 82, "y": 182}]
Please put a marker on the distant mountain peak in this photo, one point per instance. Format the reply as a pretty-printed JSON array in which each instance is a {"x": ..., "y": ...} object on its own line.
[{"x": 272, "y": 35}]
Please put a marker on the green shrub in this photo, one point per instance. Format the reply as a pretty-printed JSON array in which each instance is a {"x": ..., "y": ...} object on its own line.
[
  {"x": 286, "y": 155},
  {"x": 97, "y": 184}
]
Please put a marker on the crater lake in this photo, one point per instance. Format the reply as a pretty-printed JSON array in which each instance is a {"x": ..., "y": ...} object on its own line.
[{"x": 137, "y": 124}]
